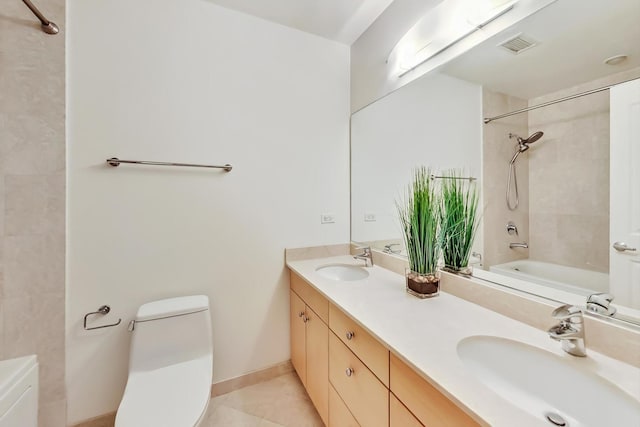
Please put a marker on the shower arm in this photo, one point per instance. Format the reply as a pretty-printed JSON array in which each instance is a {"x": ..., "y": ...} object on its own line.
[{"x": 47, "y": 26}]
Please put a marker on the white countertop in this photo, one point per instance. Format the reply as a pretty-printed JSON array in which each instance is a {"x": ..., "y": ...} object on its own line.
[{"x": 425, "y": 334}]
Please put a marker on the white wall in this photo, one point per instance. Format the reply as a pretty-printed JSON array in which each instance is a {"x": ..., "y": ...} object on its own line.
[
  {"x": 190, "y": 81},
  {"x": 435, "y": 121}
]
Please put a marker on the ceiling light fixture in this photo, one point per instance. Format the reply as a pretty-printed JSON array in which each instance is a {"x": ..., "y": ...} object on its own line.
[{"x": 444, "y": 26}]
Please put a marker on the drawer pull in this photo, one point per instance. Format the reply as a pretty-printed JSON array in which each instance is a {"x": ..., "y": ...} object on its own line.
[
  {"x": 301, "y": 314},
  {"x": 349, "y": 372},
  {"x": 305, "y": 319},
  {"x": 350, "y": 335}
]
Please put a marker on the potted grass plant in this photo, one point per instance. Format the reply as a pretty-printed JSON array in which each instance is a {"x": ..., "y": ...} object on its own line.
[
  {"x": 458, "y": 221},
  {"x": 419, "y": 214}
]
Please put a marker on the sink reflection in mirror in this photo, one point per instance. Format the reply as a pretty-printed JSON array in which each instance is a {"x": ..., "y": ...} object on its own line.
[
  {"x": 342, "y": 272},
  {"x": 578, "y": 202},
  {"x": 547, "y": 385}
]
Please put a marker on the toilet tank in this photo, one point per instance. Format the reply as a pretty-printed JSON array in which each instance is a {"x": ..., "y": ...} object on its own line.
[
  {"x": 171, "y": 331},
  {"x": 19, "y": 392}
]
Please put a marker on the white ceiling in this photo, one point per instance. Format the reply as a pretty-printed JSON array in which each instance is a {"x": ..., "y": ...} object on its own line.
[
  {"x": 340, "y": 20},
  {"x": 575, "y": 36}
]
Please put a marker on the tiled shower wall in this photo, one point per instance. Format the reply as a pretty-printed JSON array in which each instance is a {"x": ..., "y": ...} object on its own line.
[
  {"x": 569, "y": 177},
  {"x": 32, "y": 197},
  {"x": 497, "y": 150}
]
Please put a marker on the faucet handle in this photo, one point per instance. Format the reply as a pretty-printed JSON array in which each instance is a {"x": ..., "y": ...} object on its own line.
[
  {"x": 366, "y": 249},
  {"x": 568, "y": 312},
  {"x": 599, "y": 303}
]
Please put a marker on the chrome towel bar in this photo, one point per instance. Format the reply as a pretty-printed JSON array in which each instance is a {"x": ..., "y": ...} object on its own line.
[
  {"x": 467, "y": 178},
  {"x": 114, "y": 161},
  {"x": 105, "y": 309}
]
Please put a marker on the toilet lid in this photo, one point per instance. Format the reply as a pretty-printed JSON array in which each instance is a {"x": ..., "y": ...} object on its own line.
[{"x": 172, "y": 396}]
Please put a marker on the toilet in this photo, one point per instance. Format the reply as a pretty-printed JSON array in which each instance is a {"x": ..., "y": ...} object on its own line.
[{"x": 170, "y": 364}]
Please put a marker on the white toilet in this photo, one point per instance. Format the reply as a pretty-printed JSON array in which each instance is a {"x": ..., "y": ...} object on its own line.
[{"x": 170, "y": 365}]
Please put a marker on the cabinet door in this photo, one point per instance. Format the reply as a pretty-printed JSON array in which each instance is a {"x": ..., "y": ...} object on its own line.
[
  {"x": 339, "y": 415},
  {"x": 318, "y": 363},
  {"x": 429, "y": 406},
  {"x": 297, "y": 333},
  {"x": 365, "y": 396},
  {"x": 399, "y": 415}
]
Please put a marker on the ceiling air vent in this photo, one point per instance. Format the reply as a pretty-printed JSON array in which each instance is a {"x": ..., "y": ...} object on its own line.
[{"x": 518, "y": 44}]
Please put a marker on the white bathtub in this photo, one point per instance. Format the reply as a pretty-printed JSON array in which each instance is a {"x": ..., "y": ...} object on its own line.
[{"x": 570, "y": 279}]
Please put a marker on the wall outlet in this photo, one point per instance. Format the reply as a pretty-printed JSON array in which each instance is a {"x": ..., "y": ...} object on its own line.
[
  {"x": 327, "y": 218},
  {"x": 370, "y": 217}
]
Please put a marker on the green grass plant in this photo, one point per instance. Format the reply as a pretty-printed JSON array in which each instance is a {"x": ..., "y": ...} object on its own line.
[
  {"x": 419, "y": 214},
  {"x": 458, "y": 219}
]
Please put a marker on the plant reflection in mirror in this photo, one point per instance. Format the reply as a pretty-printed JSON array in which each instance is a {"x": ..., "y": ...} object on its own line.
[{"x": 458, "y": 220}]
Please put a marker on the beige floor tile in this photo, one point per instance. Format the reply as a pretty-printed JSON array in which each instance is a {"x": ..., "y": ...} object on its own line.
[
  {"x": 280, "y": 402},
  {"x": 223, "y": 416}
]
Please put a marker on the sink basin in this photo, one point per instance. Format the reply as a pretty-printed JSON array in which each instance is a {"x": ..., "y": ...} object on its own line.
[
  {"x": 547, "y": 385},
  {"x": 342, "y": 272}
]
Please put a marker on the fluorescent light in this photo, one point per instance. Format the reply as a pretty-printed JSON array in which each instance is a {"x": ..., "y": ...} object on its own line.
[{"x": 445, "y": 25}]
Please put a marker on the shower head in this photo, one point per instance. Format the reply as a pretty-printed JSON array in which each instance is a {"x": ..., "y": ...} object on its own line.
[
  {"x": 532, "y": 138},
  {"x": 523, "y": 144}
]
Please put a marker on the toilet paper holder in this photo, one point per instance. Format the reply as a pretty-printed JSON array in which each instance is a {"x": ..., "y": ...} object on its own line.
[{"x": 104, "y": 309}]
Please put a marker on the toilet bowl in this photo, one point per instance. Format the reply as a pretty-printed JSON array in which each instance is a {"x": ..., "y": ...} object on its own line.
[{"x": 170, "y": 365}]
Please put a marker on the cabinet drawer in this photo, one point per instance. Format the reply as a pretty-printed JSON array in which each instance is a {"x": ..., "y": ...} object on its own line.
[
  {"x": 432, "y": 408},
  {"x": 310, "y": 296},
  {"x": 365, "y": 396},
  {"x": 339, "y": 415},
  {"x": 366, "y": 347},
  {"x": 399, "y": 415}
]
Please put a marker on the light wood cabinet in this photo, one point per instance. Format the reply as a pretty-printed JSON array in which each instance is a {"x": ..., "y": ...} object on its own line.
[
  {"x": 310, "y": 343},
  {"x": 339, "y": 414},
  {"x": 297, "y": 329},
  {"x": 399, "y": 415},
  {"x": 318, "y": 364},
  {"x": 365, "y": 396},
  {"x": 363, "y": 345},
  {"x": 430, "y": 406},
  {"x": 352, "y": 378}
]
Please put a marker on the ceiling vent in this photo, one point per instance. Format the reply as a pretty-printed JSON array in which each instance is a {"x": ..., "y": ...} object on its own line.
[{"x": 518, "y": 44}]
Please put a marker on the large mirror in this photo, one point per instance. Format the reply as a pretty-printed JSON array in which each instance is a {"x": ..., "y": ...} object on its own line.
[{"x": 560, "y": 184}]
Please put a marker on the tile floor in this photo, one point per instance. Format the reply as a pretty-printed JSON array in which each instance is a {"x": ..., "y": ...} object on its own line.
[{"x": 280, "y": 402}]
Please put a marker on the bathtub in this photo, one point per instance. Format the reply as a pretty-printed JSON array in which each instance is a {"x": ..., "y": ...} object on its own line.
[{"x": 569, "y": 279}]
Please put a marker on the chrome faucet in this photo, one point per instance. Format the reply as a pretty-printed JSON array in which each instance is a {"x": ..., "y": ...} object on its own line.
[
  {"x": 600, "y": 303},
  {"x": 367, "y": 256},
  {"x": 570, "y": 330}
]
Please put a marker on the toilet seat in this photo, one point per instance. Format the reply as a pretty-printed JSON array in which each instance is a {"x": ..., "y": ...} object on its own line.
[{"x": 172, "y": 396}]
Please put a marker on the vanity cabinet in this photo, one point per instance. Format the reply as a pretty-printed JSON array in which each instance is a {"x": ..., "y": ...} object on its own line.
[
  {"x": 339, "y": 414},
  {"x": 430, "y": 406},
  {"x": 352, "y": 378},
  {"x": 365, "y": 396},
  {"x": 399, "y": 415},
  {"x": 310, "y": 342}
]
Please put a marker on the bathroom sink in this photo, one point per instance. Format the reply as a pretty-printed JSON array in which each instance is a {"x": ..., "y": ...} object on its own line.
[
  {"x": 546, "y": 385},
  {"x": 342, "y": 272}
]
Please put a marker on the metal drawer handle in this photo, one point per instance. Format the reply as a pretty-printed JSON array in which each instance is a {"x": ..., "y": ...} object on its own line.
[
  {"x": 622, "y": 246},
  {"x": 349, "y": 372},
  {"x": 350, "y": 335}
]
